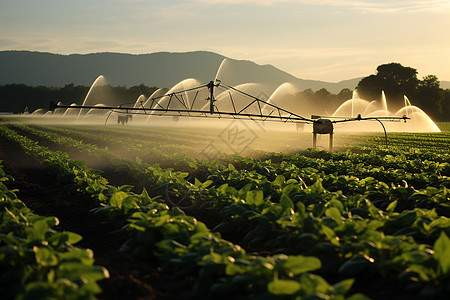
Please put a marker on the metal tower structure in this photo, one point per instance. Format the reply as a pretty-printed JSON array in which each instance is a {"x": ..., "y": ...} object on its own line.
[{"x": 176, "y": 104}]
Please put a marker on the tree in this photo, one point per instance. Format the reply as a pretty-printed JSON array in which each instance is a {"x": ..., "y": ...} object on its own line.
[
  {"x": 430, "y": 96},
  {"x": 323, "y": 93},
  {"x": 445, "y": 105},
  {"x": 394, "y": 79},
  {"x": 308, "y": 93},
  {"x": 370, "y": 87},
  {"x": 345, "y": 94},
  {"x": 397, "y": 79}
]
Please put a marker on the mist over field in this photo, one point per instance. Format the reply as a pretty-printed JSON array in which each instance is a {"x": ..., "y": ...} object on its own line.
[{"x": 220, "y": 149}]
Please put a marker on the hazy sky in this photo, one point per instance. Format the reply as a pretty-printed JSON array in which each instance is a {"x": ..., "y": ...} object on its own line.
[{"x": 311, "y": 39}]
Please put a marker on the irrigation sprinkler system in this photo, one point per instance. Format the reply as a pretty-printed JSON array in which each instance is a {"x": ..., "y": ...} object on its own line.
[{"x": 176, "y": 104}]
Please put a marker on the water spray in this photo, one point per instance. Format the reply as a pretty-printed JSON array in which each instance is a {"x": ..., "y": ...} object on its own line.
[{"x": 255, "y": 110}]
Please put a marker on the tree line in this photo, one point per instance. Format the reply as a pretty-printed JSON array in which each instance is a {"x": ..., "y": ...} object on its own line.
[
  {"x": 393, "y": 78},
  {"x": 396, "y": 81},
  {"x": 17, "y": 98}
]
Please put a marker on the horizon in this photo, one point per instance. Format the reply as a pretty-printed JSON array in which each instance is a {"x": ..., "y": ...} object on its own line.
[
  {"x": 315, "y": 40},
  {"x": 174, "y": 52},
  {"x": 193, "y": 51}
]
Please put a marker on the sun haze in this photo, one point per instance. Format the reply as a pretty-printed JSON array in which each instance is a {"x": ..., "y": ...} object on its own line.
[{"x": 321, "y": 40}]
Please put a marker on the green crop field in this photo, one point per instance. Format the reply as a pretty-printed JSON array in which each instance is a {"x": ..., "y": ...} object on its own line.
[{"x": 228, "y": 210}]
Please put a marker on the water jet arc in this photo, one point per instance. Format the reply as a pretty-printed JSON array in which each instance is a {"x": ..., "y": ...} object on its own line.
[{"x": 255, "y": 109}]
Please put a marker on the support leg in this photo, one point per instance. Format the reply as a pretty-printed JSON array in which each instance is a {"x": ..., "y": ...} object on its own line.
[
  {"x": 331, "y": 142},
  {"x": 314, "y": 140}
]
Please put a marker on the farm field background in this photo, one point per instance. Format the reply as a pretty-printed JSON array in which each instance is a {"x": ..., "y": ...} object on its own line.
[{"x": 169, "y": 212}]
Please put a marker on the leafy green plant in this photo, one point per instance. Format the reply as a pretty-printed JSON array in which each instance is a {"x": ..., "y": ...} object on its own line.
[{"x": 38, "y": 262}]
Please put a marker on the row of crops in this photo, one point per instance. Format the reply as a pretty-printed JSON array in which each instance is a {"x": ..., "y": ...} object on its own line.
[
  {"x": 312, "y": 224},
  {"x": 36, "y": 260}
]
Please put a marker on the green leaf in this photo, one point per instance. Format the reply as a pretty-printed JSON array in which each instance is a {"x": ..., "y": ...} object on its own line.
[
  {"x": 283, "y": 287},
  {"x": 315, "y": 284},
  {"x": 318, "y": 209},
  {"x": 161, "y": 221},
  {"x": 279, "y": 181},
  {"x": 75, "y": 271},
  {"x": 441, "y": 222},
  {"x": 373, "y": 210},
  {"x": 273, "y": 212},
  {"x": 358, "y": 296},
  {"x": 197, "y": 183},
  {"x": 85, "y": 256},
  {"x": 301, "y": 209},
  {"x": 207, "y": 183},
  {"x": 40, "y": 290},
  {"x": 213, "y": 258},
  {"x": 343, "y": 286},
  {"x": 140, "y": 225},
  {"x": 330, "y": 234},
  {"x": 336, "y": 203},
  {"x": 424, "y": 273},
  {"x": 60, "y": 238},
  {"x": 125, "y": 188},
  {"x": 406, "y": 218},
  {"x": 245, "y": 189},
  {"x": 73, "y": 237},
  {"x": 144, "y": 194},
  {"x": 286, "y": 202},
  {"x": 317, "y": 187},
  {"x": 442, "y": 252},
  {"x": 130, "y": 203},
  {"x": 291, "y": 188},
  {"x": 255, "y": 197},
  {"x": 45, "y": 257},
  {"x": 391, "y": 207},
  {"x": 117, "y": 199},
  {"x": 334, "y": 213},
  {"x": 37, "y": 232},
  {"x": 298, "y": 264}
]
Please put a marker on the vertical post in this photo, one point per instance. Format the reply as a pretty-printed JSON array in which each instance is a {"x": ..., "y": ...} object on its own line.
[
  {"x": 314, "y": 140},
  {"x": 331, "y": 142},
  {"x": 211, "y": 96}
]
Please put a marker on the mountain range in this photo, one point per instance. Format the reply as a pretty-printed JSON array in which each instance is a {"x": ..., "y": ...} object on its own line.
[{"x": 162, "y": 69}]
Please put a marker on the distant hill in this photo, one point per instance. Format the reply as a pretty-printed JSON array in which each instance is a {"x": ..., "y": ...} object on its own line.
[{"x": 161, "y": 69}]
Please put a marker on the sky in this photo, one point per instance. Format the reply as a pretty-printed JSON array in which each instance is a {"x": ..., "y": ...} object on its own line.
[{"x": 310, "y": 39}]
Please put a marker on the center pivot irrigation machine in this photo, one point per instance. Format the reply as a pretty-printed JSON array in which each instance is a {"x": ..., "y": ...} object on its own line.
[{"x": 177, "y": 104}]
